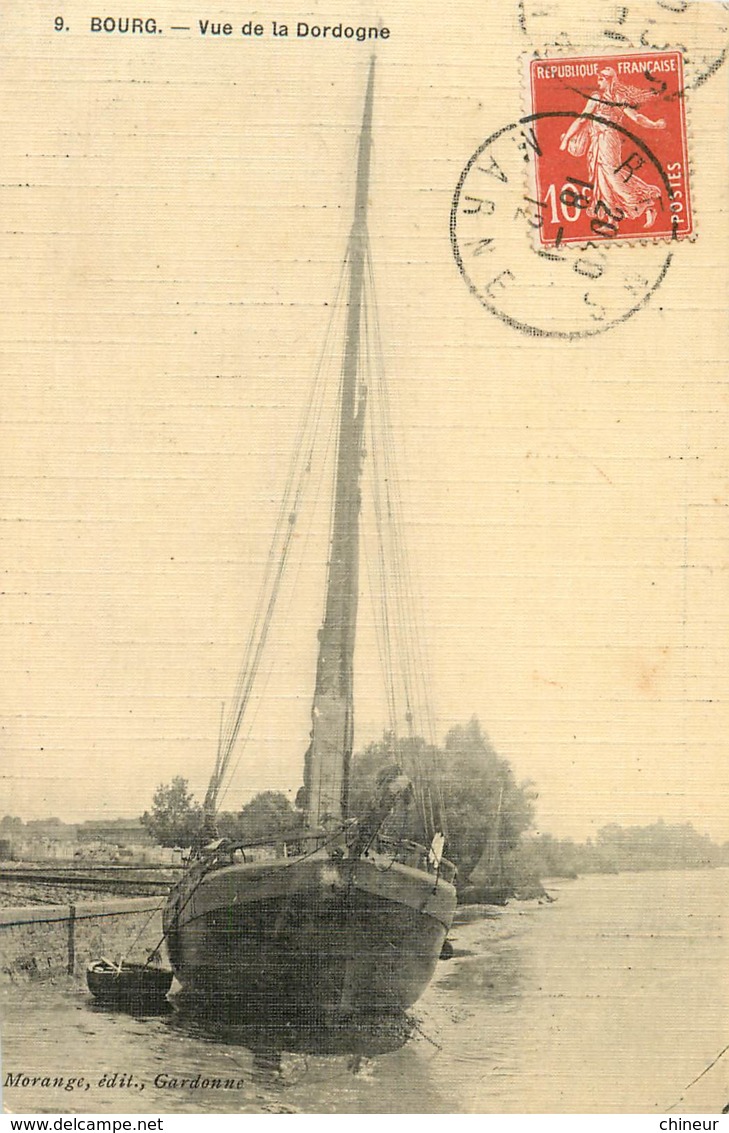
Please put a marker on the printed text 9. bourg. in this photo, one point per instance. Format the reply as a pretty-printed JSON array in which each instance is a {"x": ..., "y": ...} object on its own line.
[{"x": 249, "y": 28}]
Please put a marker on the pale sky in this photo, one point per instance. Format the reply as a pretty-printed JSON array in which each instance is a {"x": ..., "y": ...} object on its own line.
[{"x": 174, "y": 215}]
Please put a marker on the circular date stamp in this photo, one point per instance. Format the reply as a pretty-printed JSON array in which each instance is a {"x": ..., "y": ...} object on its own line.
[{"x": 564, "y": 223}]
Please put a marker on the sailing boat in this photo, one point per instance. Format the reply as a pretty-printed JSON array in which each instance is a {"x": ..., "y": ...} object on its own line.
[
  {"x": 487, "y": 884},
  {"x": 336, "y": 919}
]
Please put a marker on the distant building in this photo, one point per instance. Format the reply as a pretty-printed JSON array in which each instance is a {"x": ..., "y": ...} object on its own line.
[
  {"x": 123, "y": 832},
  {"x": 47, "y": 828},
  {"x": 110, "y": 840}
]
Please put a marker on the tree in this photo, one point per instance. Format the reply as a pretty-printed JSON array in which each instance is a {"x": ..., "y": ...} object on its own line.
[
  {"x": 11, "y": 824},
  {"x": 416, "y": 758},
  {"x": 486, "y": 810},
  {"x": 267, "y": 815},
  {"x": 176, "y": 817}
]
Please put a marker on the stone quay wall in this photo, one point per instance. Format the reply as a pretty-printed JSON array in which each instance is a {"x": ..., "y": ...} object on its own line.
[{"x": 44, "y": 941}]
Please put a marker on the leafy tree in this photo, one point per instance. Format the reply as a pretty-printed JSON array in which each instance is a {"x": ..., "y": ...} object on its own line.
[
  {"x": 176, "y": 817},
  {"x": 486, "y": 810},
  {"x": 11, "y": 824},
  {"x": 416, "y": 758},
  {"x": 268, "y": 814},
  {"x": 228, "y": 825}
]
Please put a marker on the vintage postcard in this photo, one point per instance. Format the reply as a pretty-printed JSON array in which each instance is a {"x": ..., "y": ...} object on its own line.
[{"x": 364, "y": 593}]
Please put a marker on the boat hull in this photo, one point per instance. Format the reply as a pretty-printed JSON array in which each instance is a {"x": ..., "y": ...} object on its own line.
[
  {"x": 311, "y": 937},
  {"x": 131, "y": 985}
]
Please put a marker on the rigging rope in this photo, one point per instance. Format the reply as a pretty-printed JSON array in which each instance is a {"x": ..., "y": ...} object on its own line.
[
  {"x": 401, "y": 651},
  {"x": 398, "y": 584},
  {"x": 279, "y": 551},
  {"x": 263, "y": 682}
]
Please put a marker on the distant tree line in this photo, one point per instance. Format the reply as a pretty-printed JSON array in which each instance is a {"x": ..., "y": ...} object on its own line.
[
  {"x": 176, "y": 817},
  {"x": 489, "y": 819},
  {"x": 617, "y": 849},
  {"x": 489, "y": 815}
]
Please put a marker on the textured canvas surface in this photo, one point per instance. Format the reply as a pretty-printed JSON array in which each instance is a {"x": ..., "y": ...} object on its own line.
[{"x": 176, "y": 200}]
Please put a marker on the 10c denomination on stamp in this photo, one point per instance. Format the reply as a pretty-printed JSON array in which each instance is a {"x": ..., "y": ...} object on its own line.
[{"x": 610, "y": 153}]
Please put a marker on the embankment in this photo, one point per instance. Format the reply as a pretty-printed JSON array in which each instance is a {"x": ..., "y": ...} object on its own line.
[{"x": 43, "y": 941}]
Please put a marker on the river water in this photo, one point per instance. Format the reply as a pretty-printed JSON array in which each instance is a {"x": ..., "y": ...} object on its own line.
[{"x": 610, "y": 999}]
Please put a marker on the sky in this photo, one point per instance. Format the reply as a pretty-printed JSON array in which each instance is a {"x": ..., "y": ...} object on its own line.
[{"x": 174, "y": 216}]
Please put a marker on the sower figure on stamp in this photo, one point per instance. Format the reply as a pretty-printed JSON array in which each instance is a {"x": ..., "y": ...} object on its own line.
[{"x": 617, "y": 192}]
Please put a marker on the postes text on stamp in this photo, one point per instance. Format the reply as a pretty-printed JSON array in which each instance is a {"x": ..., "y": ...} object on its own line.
[{"x": 610, "y": 148}]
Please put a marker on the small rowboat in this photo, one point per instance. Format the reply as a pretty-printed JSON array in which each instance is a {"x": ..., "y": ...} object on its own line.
[{"x": 128, "y": 984}]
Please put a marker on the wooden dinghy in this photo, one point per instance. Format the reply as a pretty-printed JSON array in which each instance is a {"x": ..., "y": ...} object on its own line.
[{"x": 138, "y": 985}]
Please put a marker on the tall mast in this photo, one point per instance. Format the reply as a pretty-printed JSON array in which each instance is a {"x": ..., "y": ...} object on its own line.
[{"x": 326, "y": 773}]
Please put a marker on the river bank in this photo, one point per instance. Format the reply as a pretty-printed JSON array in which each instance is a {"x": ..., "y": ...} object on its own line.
[{"x": 608, "y": 1000}]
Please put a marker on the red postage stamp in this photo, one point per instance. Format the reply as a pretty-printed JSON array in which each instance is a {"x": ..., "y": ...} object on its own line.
[{"x": 607, "y": 136}]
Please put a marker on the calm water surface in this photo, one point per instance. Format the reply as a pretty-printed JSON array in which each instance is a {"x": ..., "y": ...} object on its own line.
[{"x": 611, "y": 999}]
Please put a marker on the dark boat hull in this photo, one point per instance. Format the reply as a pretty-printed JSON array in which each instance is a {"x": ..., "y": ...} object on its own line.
[
  {"x": 135, "y": 985},
  {"x": 310, "y": 937}
]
